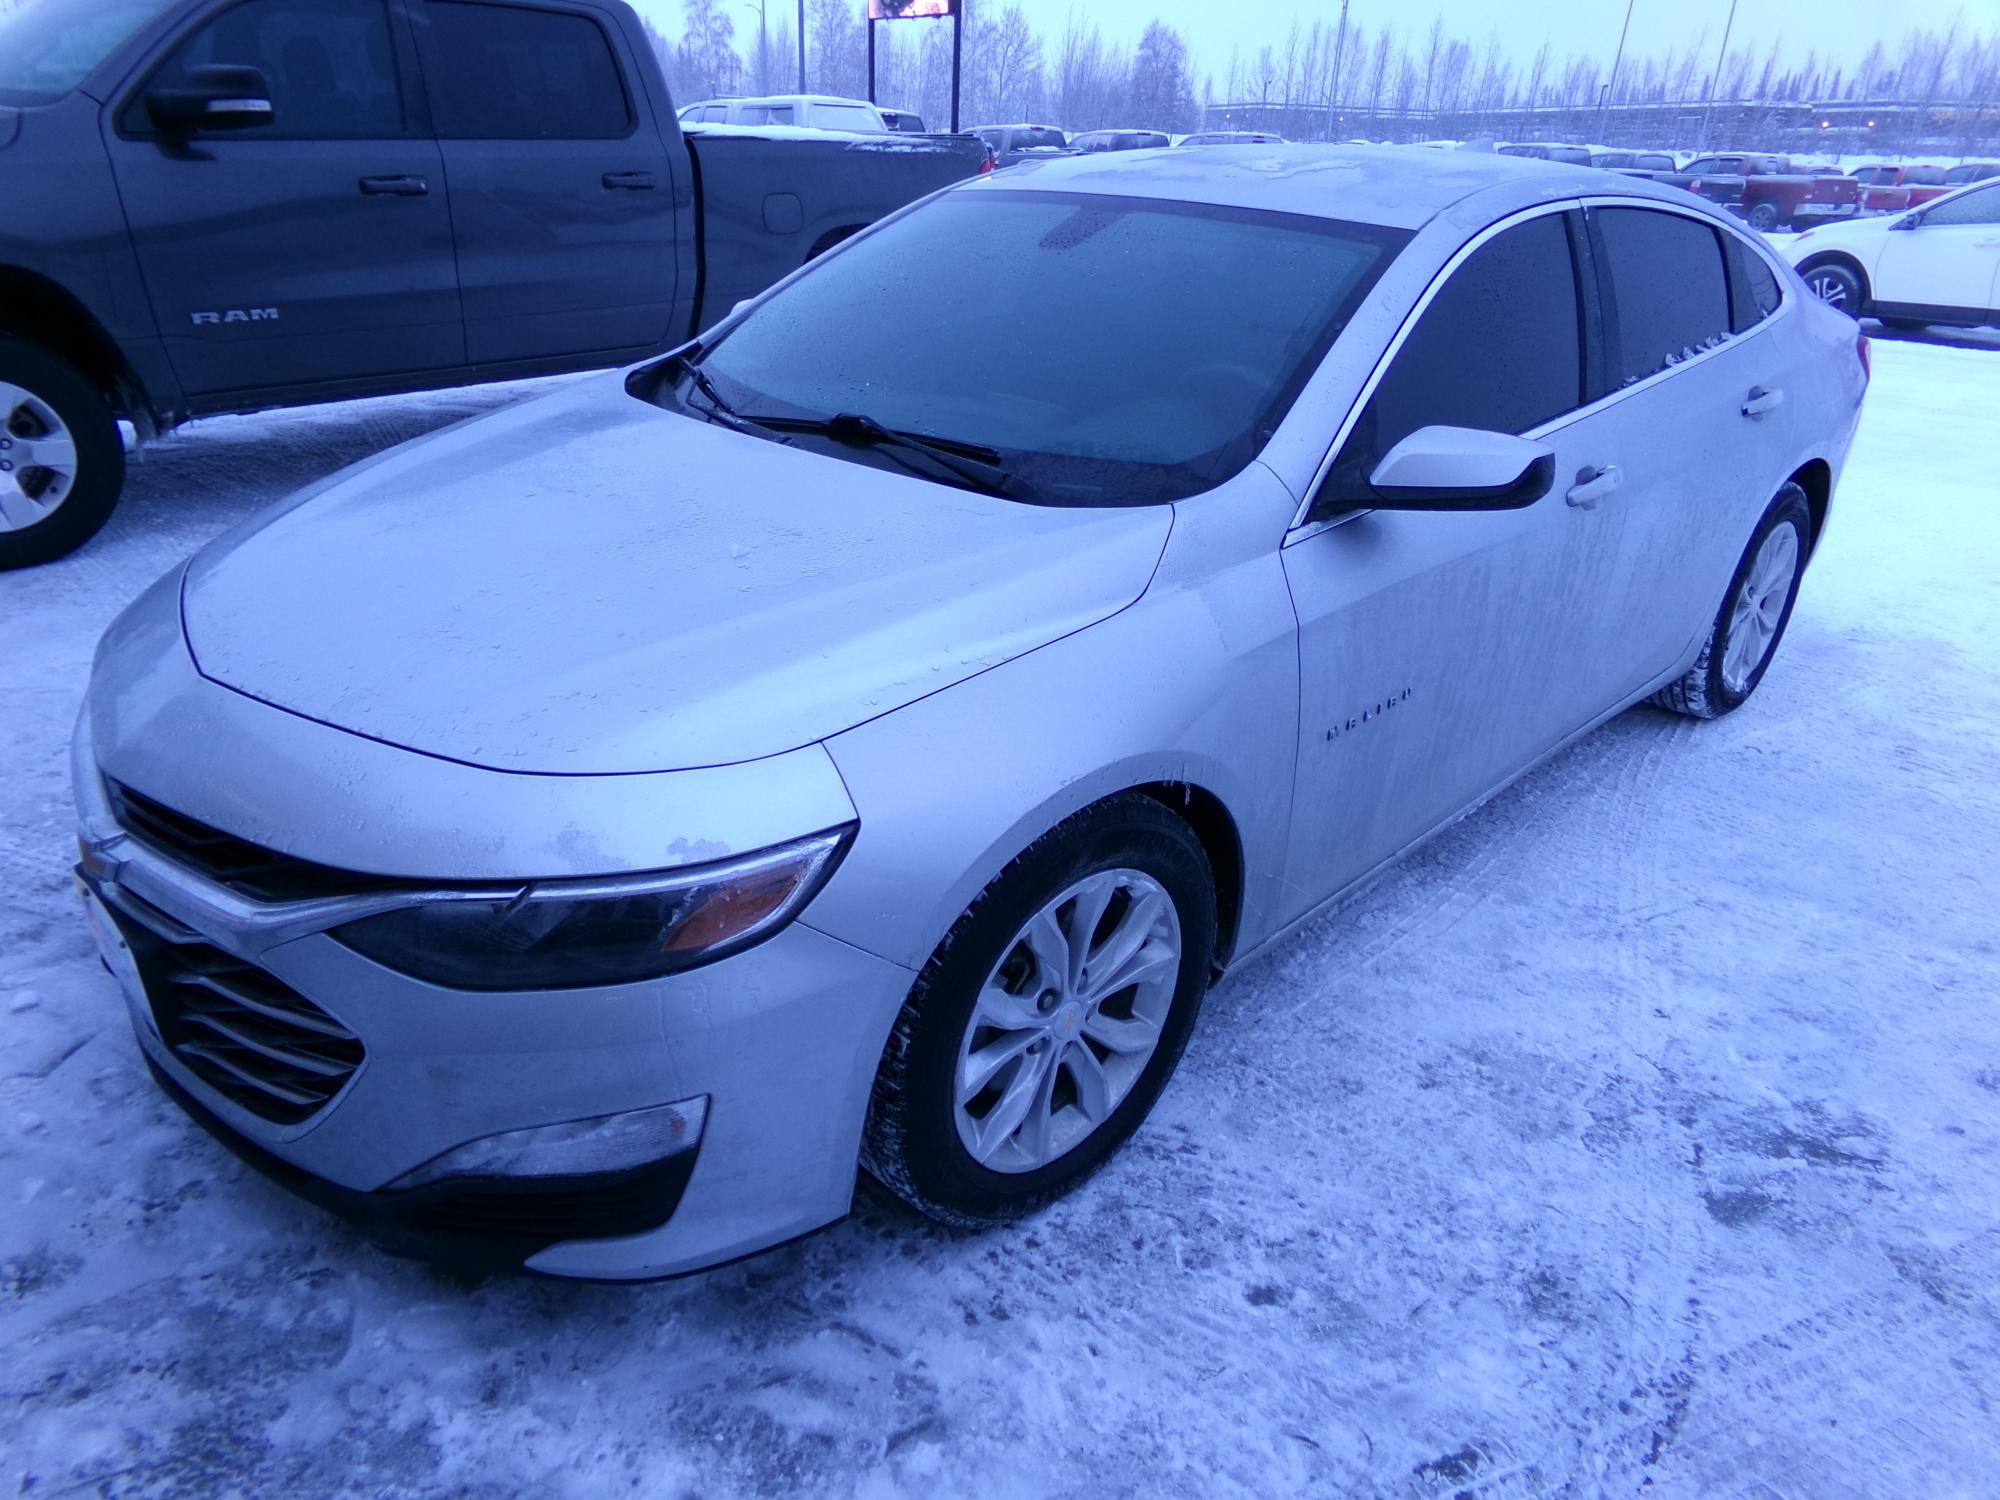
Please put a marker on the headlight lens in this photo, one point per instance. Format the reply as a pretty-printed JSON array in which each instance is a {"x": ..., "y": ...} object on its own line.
[{"x": 574, "y": 934}]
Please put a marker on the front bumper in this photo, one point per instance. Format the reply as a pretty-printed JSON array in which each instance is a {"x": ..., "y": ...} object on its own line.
[{"x": 782, "y": 1040}]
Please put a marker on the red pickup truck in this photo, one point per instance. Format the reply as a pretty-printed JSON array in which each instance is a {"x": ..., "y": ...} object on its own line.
[
  {"x": 1887, "y": 188},
  {"x": 1770, "y": 191}
]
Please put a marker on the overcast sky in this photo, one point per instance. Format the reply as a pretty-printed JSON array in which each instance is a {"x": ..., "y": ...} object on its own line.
[{"x": 1838, "y": 29}]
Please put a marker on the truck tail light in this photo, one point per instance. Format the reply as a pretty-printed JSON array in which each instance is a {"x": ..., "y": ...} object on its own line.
[
  {"x": 1861, "y": 351},
  {"x": 986, "y": 162}
]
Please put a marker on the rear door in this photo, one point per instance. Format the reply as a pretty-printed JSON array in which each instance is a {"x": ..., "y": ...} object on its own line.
[
  {"x": 1950, "y": 260},
  {"x": 562, "y": 191},
  {"x": 1702, "y": 410},
  {"x": 1440, "y": 653},
  {"x": 315, "y": 248}
]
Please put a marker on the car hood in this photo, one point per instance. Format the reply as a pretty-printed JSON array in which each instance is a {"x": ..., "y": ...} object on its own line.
[{"x": 588, "y": 584}]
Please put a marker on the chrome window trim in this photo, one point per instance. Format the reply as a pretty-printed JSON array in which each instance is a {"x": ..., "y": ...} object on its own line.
[{"x": 1301, "y": 529}]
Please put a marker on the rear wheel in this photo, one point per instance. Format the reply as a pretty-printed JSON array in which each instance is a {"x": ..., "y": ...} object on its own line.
[
  {"x": 1043, "y": 1028},
  {"x": 1837, "y": 284},
  {"x": 62, "y": 461},
  {"x": 1753, "y": 616},
  {"x": 1764, "y": 217}
]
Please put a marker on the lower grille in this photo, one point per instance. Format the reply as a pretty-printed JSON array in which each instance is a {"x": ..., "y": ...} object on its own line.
[{"x": 240, "y": 1029}]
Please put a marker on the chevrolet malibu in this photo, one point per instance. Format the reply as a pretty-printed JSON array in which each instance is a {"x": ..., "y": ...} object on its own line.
[{"x": 581, "y": 839}]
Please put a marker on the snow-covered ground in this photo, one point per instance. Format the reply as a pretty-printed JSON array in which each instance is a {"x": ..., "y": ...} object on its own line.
[{"x": 1642, "y": 1135}]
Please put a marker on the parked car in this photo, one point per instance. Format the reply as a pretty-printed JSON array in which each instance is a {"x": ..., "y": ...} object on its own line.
[
  {"x": 1769, "y": 190},
  {"x": 1119, "y": 140},
  {"x": 1936, "y": 264},
  {"x": 626, "y": 835},
  {"x": 1891, "y": 187},
  {"x": 1012, "y": 144},
  {"x": 1233, "y": 138},
  {"x": 810, "y": 111},
  {"x": 906, "y": 121},
  {"x": 219, "y": 207},
  {"x": 1971, "y": 171},
  {"x": 1570, "y": 156},
  {"x": 1645, "y": 162}
]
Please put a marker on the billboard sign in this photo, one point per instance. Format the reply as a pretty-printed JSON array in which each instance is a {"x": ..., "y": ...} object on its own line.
[{"x": 900, "y": 10}]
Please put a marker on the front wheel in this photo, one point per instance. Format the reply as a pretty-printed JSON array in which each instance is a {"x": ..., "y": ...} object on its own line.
[
  {"x": 1043, "y": 1028},
  {"x": 62, "y": 461},
  {"x": 1753, "y": 616}
]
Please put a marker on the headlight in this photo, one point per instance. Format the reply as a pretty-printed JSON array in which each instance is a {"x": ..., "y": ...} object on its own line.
[{"x": 571, "y": 934}]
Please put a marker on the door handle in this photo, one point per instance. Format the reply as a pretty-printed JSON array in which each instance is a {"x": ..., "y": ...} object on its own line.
[
  {"x": 1592, "y": 485},
  {"x": 1762, "y": 399},
  {"x": 631, "y": 182},
  {"x": 395, "y": 187}
]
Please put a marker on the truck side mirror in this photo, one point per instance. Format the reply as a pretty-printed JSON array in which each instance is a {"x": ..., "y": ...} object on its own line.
[{"x": 216, "y": 96}]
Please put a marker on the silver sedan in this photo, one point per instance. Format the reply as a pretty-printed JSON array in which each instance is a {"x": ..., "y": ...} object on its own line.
[{"x": 581, "y": 838}]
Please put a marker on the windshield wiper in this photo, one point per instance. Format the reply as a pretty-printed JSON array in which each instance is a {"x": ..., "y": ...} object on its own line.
[{"x": 975, "y": 464}]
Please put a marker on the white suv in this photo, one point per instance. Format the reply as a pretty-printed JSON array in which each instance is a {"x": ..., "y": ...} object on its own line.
[{"x": 1936, "y": 264}]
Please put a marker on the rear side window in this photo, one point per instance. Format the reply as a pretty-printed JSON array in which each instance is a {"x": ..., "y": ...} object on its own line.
[
  {"x": 845, "y": 117},
  {"x": 507, "y": 73},
  {"x": 1753, "y": 290},
  {"x": 330, "y": 66},
  {"x": 1499, "y": 348},
  {"x": 1667, "y": 289}
]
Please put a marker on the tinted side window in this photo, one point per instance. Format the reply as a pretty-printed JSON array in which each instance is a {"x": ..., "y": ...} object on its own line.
[
  {"x": 1667, "y": 292},
  {"x": 510, "y": 74},
  {"x": 1753, "y": 290},
  {"x": 1981, "y": 207},
  {"x": 330, "y": 66},
  {"x": 1499, "y": 348}
]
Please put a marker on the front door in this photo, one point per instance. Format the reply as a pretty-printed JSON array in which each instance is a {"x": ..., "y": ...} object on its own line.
[
  {"x": 1950, "y": 260},
  {"x": 315, "y": 248},
  {"x": 1441, "y": 652},
  {"x": 561, "y": 189}
]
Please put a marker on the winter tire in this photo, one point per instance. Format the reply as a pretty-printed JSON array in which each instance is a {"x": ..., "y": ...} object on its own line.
[
  {"x": 62, "y": 461},
  {"x": 1838, "y": 285},
  {"x": 1048, "y": 1020},
  {"x": 1753, "y": 616}
]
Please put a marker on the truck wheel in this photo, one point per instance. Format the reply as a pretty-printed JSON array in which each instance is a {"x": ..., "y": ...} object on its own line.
[
  {"x": 1753, "y": 616},
  {"x": 62, "y": 461},
  {"x": 1837, "y": 284},
  {"x": 1043, "y": 1028},
  {"x": 1764, "y": 217}
]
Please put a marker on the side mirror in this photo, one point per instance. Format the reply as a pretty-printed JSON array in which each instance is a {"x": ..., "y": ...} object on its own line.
[
  {"x": 216, "y": 96},
  {"x": 1462, "y": 468}
]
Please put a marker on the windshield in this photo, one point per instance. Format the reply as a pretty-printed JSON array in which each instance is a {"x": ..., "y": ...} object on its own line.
[
  {"x": 48, "y": 47},
  {"x": 1187, "y": 331},
  {"x": 1971, "y": 172}
]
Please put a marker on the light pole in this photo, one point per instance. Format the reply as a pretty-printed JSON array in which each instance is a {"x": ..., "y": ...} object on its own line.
[
  {"x": 1721, "y": 57},
  {"x": 1605, "y": 105},
  {"x": 802, "y": 46},
  {"x": 1333, "y": 89},
  {"x": 763, "y": 48}
]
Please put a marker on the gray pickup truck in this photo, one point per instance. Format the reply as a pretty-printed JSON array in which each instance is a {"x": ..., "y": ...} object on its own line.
[{"x": 227, "y": 205}]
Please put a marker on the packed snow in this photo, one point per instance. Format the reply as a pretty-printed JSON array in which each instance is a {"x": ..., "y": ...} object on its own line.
[{"x": 1642, "y": 1134}]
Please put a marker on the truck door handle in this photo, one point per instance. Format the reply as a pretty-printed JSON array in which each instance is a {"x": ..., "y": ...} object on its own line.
[
  {"x": 395, "y": 187},
  {"x": 1592, "y": 485},
  {"x": 1760, "y": 400},
  {"x": 631, "y": 182}
]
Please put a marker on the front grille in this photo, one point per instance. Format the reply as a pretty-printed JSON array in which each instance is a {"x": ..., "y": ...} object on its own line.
[
  {"x": 248, "y": 869},
  {"x": 240, "y": 1029}
]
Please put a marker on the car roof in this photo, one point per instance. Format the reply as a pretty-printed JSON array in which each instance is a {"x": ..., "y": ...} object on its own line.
[{"x": 1399, "y": 187}]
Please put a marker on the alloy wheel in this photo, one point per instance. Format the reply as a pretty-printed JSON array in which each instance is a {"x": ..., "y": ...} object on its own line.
[
  {"x": 1067, "y": 1021},
  {"x": 1760, "y": 607},
  {"x": 1829, "y": 288},
  {"x": 37, "y": 459}
]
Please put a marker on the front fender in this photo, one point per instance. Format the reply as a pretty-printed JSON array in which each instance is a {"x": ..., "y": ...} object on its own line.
[{"x": 1196, "y": 684}]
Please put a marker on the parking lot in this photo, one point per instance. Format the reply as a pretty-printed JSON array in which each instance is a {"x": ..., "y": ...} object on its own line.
[{"x": 1643, "y": 1133}]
